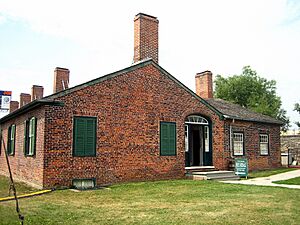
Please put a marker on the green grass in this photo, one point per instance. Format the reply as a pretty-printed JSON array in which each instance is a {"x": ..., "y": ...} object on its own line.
[
  {"x": 161, "y": 202},
  {"x": 293, "y": 181},
  {"x": 267, "y": 173}
]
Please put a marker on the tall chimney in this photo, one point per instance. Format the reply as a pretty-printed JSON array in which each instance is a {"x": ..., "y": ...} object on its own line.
[
  {"x": 145, "y": 37},
  {"x": 61, "y": 79},
  {"x": 24, "y": 99},
  {"x": 37, "y": 92},
  {"x": 204, "y": 84},
  {"x": 13, "y": 106}
]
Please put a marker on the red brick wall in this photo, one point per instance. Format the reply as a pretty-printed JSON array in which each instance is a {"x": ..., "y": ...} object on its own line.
[
  {"x": 145, "y": 37},
  {"x": 13, "y": 106},
  {"x": 25, "y": 168},
  {"x": 61, "y": 79},
  {"x": 204, "y": 84},
  {"x": 24, "y": 99},
  {"x": 37, "y": 92},
  {"x": 129, "y": 109},
  {"x": 251, "y": 142}
]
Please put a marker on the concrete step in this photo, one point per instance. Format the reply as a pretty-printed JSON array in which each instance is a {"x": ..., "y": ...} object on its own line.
[
  {"x": 192, "y": 169},
  {"x": 214, "y": 175}
]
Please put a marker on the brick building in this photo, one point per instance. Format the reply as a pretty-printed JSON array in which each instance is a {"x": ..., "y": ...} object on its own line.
[{"x": 139, "y": 123}]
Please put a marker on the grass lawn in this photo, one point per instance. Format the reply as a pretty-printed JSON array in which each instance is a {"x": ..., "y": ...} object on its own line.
[
  {"x": 21, "y": 188},
  {"x": 161, "y": 202},
  {"x": 294, "y": 181},
  {"x": 266, "y": 173}
]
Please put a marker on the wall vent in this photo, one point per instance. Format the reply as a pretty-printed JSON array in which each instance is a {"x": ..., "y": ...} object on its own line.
[{"x": 83, "y": 184}]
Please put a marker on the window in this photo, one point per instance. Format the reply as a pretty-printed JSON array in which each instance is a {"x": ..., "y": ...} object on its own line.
[
  {"x": 264, "y": 144},
  {"x": 84, "y": 138},
  {"x": 30, "y": 137},
  {"x": 186, "y": 137},
  {"x": 238, "y": 144},
  {"x": 194, "y": 119},
  {"x": 11, "y": 140},
  {"x": 167, "y": 138},
  {"x": 206, "y": 138}
]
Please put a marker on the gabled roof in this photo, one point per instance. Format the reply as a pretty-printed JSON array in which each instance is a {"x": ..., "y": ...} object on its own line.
[
  {"x": 234, "y": 111},
  {"x": 133, "y": 67},
  {"x": 222, "y": 108}
]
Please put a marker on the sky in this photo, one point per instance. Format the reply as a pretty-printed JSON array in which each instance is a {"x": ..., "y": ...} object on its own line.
[{"x": 93, "y": 38}]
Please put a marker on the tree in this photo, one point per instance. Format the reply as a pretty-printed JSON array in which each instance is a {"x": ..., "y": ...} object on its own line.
[
  {"x": 297, "y": 108},
  {"x": 252, "y": 91}
]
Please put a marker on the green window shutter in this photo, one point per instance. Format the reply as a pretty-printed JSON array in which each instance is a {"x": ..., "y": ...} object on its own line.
[
  {"x": 172, "y": 138},
  {"x": 164, "y": 142},
  {"x": 79, "y": 135},
  {"x": 14, "y": 139},
  {"x": 167, "y": 138},
  {"x": 90, "y": 138},
  {"x": 84, "y": 143},
  {"x": 11, "y": 139},
  {"x": 26, "y": 136},
  {"x": 33, "y": 135},
  {"x": 8, "y": 148}
]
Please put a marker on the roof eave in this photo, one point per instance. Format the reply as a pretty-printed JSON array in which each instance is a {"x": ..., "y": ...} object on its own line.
[
  {"x": 28, "y": 107},
  {"x": 253, "y": 120}
]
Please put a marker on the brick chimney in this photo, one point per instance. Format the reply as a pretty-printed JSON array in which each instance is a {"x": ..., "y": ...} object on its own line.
[
  {"x": 145, "y": 37},
  {"x": 13, "y": 106},
  {"x": 61, "y": 79},
  {"x": 24, "y": 99},
  {"x": 204, "y": 84},
  {"x": 37, "y": 92}
]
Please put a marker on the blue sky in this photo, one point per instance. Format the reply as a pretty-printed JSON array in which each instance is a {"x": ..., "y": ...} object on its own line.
[{"x": 93, "y": 38}]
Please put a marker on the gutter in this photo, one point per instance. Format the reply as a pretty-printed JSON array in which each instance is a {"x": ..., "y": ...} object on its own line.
[
  {"x": 278, "y": 122},
  {"x": 28, "y": 107}
]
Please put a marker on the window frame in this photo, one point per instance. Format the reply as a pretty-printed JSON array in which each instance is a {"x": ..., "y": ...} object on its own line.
[
  {"x": 174, "y": 152},
  {"x": 74, "y": 154},
  {"x": 30, "y": 134},
  {"x": 11, "y": 140},
  {"x": 267, "y": 144},
  {"x": 243, "y": 143},
  {"x": 186, "y": 138}
]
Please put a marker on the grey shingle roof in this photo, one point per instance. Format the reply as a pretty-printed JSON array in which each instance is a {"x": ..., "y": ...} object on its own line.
[{"x": 234, "y": 111}]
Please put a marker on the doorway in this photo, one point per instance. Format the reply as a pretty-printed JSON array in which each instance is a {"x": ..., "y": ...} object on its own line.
[{"x": 198, "y": 144}]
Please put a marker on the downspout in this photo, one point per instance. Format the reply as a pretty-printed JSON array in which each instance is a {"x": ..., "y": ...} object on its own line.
[{"x": 230, "y": 136}]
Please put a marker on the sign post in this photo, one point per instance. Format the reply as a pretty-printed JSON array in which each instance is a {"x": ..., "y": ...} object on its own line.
[{"x": 241, "y": 167}]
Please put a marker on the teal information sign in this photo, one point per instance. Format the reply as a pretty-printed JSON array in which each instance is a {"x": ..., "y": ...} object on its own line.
[{"x": 241, "y": 167}]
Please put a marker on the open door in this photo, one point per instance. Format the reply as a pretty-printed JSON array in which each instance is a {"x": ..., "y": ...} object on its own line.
[{"x": 198, "y": 146}]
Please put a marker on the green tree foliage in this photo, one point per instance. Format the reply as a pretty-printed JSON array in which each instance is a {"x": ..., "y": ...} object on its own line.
[
  {"x": 252, "y": 91},
  {"x": 297, "y": 108}
]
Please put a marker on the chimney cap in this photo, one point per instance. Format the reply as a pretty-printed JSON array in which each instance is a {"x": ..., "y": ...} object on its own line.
[
  {"x": 206, "y": 72},
  {"x": 61, "y": 68},
  {"x": 144, "y": 15},
  {"x": 37, "y": 86}
]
